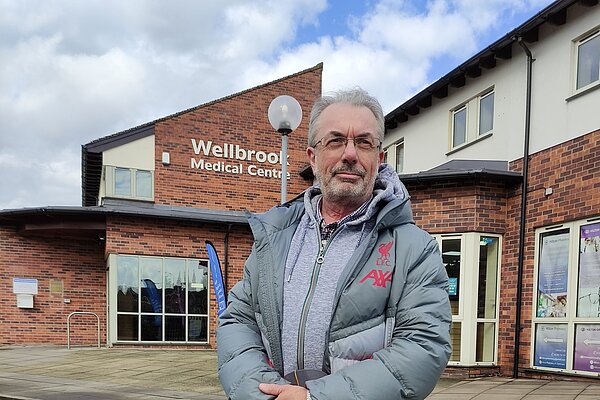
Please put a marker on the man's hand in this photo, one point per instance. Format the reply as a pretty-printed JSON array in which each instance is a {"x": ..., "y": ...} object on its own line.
[{"x": 284, "y": 392}]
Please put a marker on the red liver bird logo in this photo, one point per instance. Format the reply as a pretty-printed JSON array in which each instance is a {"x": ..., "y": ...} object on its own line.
[{"x": 384, "y": 250}]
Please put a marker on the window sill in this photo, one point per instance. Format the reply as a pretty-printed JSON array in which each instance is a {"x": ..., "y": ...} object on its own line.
[
  {"x": 590, "y": 88},
  {"x": 472, "y": 142},
  {"x": 140, "y": 199}
]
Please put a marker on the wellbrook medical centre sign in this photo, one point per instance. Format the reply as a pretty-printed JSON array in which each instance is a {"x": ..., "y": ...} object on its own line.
[{"x": 228, "y": 157}]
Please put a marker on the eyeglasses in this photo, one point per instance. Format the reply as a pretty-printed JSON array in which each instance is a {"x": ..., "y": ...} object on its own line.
[{"x": 362, "y": 143}]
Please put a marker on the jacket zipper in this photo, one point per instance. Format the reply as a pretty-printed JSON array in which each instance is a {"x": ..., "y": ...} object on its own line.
[{"x": 323, "y": 245}]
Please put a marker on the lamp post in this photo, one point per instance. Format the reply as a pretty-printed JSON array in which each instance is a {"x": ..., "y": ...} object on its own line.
[{"x": 284, "y": 115}]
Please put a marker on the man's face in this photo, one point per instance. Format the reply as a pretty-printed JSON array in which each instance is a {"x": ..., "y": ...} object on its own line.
[{"x": 346, "y": 174}]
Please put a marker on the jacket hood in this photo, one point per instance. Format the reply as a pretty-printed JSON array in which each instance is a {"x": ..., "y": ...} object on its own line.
[{"x": 388, "y": 189}]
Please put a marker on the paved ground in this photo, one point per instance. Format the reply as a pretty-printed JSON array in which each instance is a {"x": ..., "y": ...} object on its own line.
[{"x": 53, "y": 373}]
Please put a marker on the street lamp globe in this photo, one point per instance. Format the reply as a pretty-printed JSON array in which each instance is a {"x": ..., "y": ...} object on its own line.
[{"x": 285, "y": 115}]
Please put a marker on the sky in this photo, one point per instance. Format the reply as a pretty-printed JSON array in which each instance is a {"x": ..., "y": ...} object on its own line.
[{"x": 72, "y": 71}]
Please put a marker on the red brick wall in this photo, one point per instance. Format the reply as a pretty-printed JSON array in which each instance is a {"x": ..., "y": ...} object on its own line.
[
  {"x": 572, "y": 170},
  {"x": 450, "y": 207},
  {"x": 164, "y": 238},
  {"x": 78, "y": 263},
  {"x": 239, "y": 119}
]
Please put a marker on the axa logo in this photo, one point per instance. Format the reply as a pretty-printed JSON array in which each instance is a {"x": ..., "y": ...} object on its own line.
[
  {"x": 384, "y": 251},
  {"x": 380, "y": 278}
]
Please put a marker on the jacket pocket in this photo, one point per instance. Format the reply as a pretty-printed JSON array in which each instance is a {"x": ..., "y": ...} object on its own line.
[{"x": 357, "y": 346}]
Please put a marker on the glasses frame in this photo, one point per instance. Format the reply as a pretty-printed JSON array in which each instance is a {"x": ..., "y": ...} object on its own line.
[{"x": 346, "y": 140}]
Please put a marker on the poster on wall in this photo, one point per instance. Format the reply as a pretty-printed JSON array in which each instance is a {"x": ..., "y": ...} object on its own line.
[
  {"x": 588, "y": 295},
  {"x": 553, "y": 272},
  {"x": 551, "y": 346},
  {"x": 587, "y": 348}
]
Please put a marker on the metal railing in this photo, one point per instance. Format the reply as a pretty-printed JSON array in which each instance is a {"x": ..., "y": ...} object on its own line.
[{"x": 69, "y": 326}]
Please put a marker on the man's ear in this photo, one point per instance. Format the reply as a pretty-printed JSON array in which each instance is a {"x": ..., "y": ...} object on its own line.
[
  {"x": 381, "y": 157},
  {"x": 310, "y": 153}
]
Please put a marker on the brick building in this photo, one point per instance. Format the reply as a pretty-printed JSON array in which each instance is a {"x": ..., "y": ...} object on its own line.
[
  {"x": 134, "y": 254},
  {"x": 524, "y": 266}
]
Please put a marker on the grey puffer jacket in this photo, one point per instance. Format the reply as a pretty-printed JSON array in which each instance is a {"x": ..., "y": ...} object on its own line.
[{"x": 389, "y": 333}]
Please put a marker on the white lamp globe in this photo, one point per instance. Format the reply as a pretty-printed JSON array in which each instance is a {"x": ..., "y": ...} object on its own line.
[{"x": 285, "y": 114}]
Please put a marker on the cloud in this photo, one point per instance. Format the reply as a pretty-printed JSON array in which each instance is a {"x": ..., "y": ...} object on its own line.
[{"x": 75, "y": 71}]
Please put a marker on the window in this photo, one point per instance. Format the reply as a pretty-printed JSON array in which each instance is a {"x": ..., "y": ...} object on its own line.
[
  {"x": 472, "y": 261},
  {"x": 394, "y": 155},
  {"x": 459, "y": 127},
  {"x": 588, "y": 60},
  {"x": 129, "y": 183},
  {"x": 486, "y": 113},
  {"x": 472, "y": 120},
  {"x": 566, "y": 315},
  {"x": 160, "y": 299}
]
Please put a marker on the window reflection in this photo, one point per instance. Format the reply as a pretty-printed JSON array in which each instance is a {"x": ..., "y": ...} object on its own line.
[
  {"x": 198, "y": 290},
  {"x": 488, "y": 277},
  {"x": 175, "y": 284},
  {"x": 151, "y": 288},
  {"x": 127, "y": 283},
  {"x": 451, "y": 259},
  {"x": 123, "y": 181}
]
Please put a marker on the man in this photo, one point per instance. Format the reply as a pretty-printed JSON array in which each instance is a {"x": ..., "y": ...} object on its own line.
[{"x": 341, "y": 287}]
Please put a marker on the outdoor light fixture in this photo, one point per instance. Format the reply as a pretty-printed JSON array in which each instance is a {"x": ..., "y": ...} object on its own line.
[{"x": 285, "y": 115}]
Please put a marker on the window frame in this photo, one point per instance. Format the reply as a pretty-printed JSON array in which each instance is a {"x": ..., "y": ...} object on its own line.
[
  {"x": 472, "y": 121},
  {"x": 112, "y": 286},
  {"x": 110, "y": 172},
  {"x": 391, "y": 155},
  {"x": 571, "y": 320},
  {"x": 577, "y": 43},
  {"x": 468, "y": 282}
]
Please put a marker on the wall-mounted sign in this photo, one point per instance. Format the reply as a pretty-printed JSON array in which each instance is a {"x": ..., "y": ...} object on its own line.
[
  {"x": 236, "y": 160},
  {"x": 25, "y": 286},
  {"x": 587, "y": 348},
  {"x": 551, "y": 346}
]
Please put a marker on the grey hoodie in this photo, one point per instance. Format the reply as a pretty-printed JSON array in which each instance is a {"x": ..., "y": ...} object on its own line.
[{"x": 311, "y": 281}]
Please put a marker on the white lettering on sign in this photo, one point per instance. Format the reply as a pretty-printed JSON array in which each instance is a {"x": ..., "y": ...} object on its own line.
[
  {"x": 237, "y": 153},
  {"x": 234, "y": 151}
]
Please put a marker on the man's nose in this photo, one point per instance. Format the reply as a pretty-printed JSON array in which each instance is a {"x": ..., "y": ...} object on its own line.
[{"x": 350, "y": 152}]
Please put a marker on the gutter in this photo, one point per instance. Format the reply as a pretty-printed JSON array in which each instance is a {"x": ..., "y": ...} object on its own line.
[{"x": 522, "y": 229}]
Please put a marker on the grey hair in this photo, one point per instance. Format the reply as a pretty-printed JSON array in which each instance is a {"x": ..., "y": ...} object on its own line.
[{"x": 357, "y": 97}]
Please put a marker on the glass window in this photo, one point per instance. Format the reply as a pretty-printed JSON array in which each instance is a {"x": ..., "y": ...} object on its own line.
[
  {"x": 486, "y": 113},
  {"x": 588, "y": 296},
  {"x": 127, "y": 284},
  {"x": 567, "y": 317},
  {"x": 451, "y": 259},
  {"x": 486, "y": 342},
  {"x": 122, "y": 182},
  {"x": 588, "y": 60},
  {"x": 198, "y": 290},
  {"x": 459, "y": 127},
  {"x": 127, "y": 327},
  {"x": 553, "y": 274},
  {"x": 175, "y": 328},
  {"x": 175, "y": 282},
  {"x": 472, "y": 262},
  {"x": 550, "y": 346},
  {"x": 586, "y": 356},
  {"x": 488, "y": 277},
  {"x": 143, "y": 184},
  {"x": 455, "y": 333},
  {"x": 173, "y": 300},
  {"x": 151, "y": 277},
  {"x": 400, "y": 157}
]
